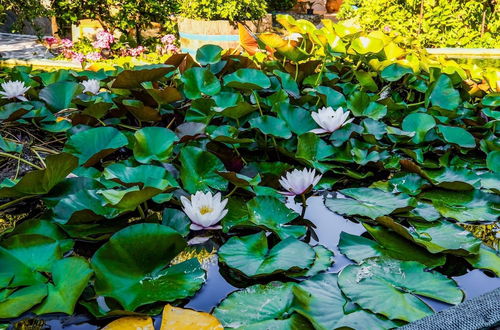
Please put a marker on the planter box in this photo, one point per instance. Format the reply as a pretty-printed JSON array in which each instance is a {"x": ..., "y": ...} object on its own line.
[
  {"x": 86, "y": 28},
  {"x": 194, "y": 34}
]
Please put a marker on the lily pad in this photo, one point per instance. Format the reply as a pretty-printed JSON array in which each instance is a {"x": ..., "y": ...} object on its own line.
[
  {"x": 153, "y": 144},
  {"x": 134, "y": 78},
  {"x": 487, "y": 258},
  {"x": 420, "y": 123},
  {"x": 40, "y": 182},
  {"x": 247, "y": 79},
  {"x": 437, "y": 236},
  {"x": 390, "y": 287},
  {"x": 93, "y": 144},
  {"x": 21, "y": 300},
  {"x": 132, "y": 267},
  {"x": 320, "y": 300},
  {"x": 199, "y": 170},
  {"x": 199, "y": 82},
  {"x": 251, "y": 255},
  {"x": 368, "y": 202},
  {"x": 387, "y": 243},
  {"x": 260, "y": 307},
  {"x": 59, "y": 95},
  {"x": 270, "y": 213},
  {"x": 271, "y": 126}
]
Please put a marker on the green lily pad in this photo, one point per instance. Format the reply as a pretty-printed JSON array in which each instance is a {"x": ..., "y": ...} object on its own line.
[
  {"x": 208, "y": 54},
  {"x": 131, "y": 267},
  {"x": 453, "y": 178},
  {"x": 314, "y": 151},
  {"x": 141, "y": 111},
  {"x": 270, "y": 213},
  {"x": 142, "y": 175},
  {"x": 251, "y": 255},
  {"x": 199, "y": 170},
  {"x": 444, "y": 95},
  {"x": 322, "y": 261},
  {"x": 59, "y": 95},
  {"x": 395, "y": 71},
  {"x": 177, "y": 220},
  {"x": 21, "y": 300},
  {"x": 69, "y": 276},
  {"x": 199, "y": 82},
  {"x": 368, "y": 202},
  {"x": 389, "y": 287},
  {"x": 260, "y": 307},
  {"x": 437, "y": 236},
  {"x": 420, "y": 123},
  {"x": 93, "y": 144},
  {"x": 457, "y": 135},
  {"x": 487, "y": 258},
  {"x": 247, "y": 79},
  {"x": 466, "y": 206},
  {"x": 40, "y": 182},
  {"x": 387, "y": 243},
  {"x": 297, "y": 119},
  {"x": 270, "y": 125},
  {"x": 9, "y": 146},
  {"x": 153, "y": 144},
  {"x": 320, "y": 300},
  {"x": 493, "y": 161}
]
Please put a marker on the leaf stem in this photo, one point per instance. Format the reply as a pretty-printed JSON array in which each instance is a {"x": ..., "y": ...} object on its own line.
[
  {"x": 15, "y": 201},
  {"x": 21, "y": 159},
  {"x": 304, "y": 206},
  {"x": 141, "y": 212},
  {"x": 232, "y": 191}
]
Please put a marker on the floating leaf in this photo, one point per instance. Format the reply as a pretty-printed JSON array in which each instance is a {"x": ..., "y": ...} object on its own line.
[
  {"x": 59, "y": 95},
  {"x": 247, "y": 79},
  {"x": 251, "y": 255},
  {"x": 130, "y": 267},
  {"x": 208, "y": 54},
  {"x": 175, "y": 318},
  {"x": 199, "y": 170},
  {"x": 457, "y": 135},
  {"x": 69, "y": 276},
  {"x": 367, "y": 202},
  {"x": 199, "y": 82},
  {"x": 153, "y": 143},
  {"x": 270, "y": 213},
  {"x": 271, "y": 126},
  {"x": 436, "y": 237},
  {"x": 387, "y": 243},
  {"x": 487, "y": 258},
  {"x": 40, "y": 182},
  {"x": 133, "y": 78},
  {"x": 420, "y": 123},
  {"x": 260, "y": 307},
  {"x": 444, "y": 95},
  {"x": 320, "y": 300},
  {"x": 93, "y": 144},
  {"x": 21, "y": 300},
  {"x": 389, "y": 287}
]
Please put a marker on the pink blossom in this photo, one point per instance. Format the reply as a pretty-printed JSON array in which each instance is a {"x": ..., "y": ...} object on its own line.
[
  {"x": 66, "y": 43},
  {"x": 79, "y": 57},
  {"x": 94, "y": 56},
  {"x": 168, "y": 39},
  {"x": 136, "y": 51},
  {"x": 172, "y": 48},
  {"x": 387, "y": 29},
  {"x": 104, "y": 39},
  {"x": 50, "y": 41}
]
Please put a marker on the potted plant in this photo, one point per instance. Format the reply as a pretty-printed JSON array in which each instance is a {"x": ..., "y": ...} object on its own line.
[{"x": 203, "y": 22}]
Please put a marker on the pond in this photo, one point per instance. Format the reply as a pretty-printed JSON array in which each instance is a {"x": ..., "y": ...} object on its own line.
[{"x": 329, "y": 226}]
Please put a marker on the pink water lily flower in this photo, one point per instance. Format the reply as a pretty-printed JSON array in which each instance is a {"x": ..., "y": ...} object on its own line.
[
  {"x": 299, "y": 182},
  {"x": 330, "y": 120},
  {"x": 14, "y": 90},
  {"x": 204, "y": 210}
]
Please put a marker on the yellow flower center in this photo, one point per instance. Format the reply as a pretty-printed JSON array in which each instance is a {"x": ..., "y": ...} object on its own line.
[{"x": 205, "y": 210}]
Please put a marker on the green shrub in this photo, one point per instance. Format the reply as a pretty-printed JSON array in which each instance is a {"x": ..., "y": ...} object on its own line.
[
  {"x": 280, "y": 5},
  {"x": 25, "y": 12},
  {"x": 232, "y": 10},
  {"x": 430, "y": 23}
]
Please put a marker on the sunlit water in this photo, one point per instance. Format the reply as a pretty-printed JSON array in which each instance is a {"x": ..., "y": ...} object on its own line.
[{"x": 329, "y": 226}]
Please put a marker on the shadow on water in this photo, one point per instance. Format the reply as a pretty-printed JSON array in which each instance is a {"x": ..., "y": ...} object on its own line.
[{"x": 329, "y": 226}]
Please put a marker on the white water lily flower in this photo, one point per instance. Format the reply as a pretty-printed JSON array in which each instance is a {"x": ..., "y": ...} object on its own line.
[
  {"x": 92, "y": 86},
  {"x": 204, "y": 210},
  {"x": 330, "y": 120},
  {"x": 14, "y": 90},
  {"x": 299, "y": 182}
]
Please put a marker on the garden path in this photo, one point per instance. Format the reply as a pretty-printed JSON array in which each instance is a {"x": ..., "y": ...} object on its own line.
[{"x": 21, "y": 46}]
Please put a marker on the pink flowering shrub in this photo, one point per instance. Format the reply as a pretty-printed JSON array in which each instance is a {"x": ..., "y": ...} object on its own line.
[{"x": 105, "y": 46}]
